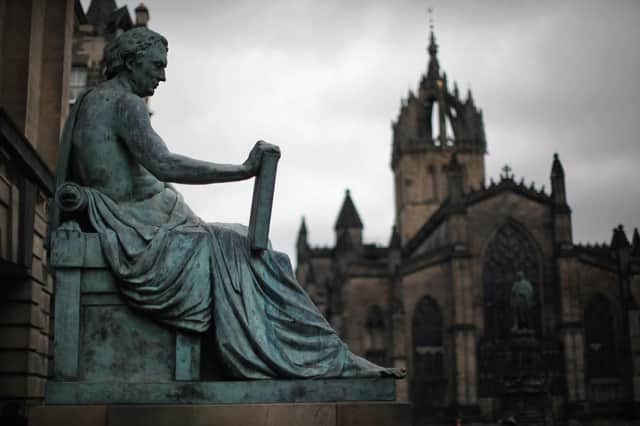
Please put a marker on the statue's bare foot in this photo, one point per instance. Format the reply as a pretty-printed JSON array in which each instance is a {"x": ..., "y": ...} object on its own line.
[{"x": 398, "y": 373}]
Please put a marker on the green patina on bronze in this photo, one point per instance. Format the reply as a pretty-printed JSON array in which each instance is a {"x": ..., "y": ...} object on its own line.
[{"x": 206, "y": 283}]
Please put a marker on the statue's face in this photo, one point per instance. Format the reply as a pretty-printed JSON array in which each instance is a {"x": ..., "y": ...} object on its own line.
[{"x": 146, "y": 74}]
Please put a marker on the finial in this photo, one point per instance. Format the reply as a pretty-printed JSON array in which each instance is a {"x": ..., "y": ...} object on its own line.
[
  {"x": 142, "y": 15},
  {"x": 619, "y": 240},
  {"x": 433, "y": 47},
  {"x": 430, "y": 11},
  {"x": 506, "y": 173},
  {"x": 635, "y": 243},
  {"x": 556, "y": 167}
]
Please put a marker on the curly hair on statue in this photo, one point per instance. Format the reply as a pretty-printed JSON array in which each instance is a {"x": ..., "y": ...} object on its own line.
[{"x": 132, "y": 43}]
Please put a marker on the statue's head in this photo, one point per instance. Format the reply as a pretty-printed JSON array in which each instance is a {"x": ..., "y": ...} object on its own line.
[
  {"x": 140, "y": 55},
  {"x": 520, "y": 274}
]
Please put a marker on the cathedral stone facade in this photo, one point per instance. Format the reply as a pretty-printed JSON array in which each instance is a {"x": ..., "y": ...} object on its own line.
[{"x": 441, "y": 299}]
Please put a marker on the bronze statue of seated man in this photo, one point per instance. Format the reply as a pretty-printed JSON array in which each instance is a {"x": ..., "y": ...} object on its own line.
[{"x": 171, "y": 265}]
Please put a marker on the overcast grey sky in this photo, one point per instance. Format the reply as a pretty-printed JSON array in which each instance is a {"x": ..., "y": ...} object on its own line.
[{"x": 324, "y": 80}]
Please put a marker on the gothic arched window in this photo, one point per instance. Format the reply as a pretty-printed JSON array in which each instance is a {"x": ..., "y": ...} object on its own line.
[
  {"x": 600, "y": 336},
  {"x": 429, "y": 381},
  {"x": 375, "y": 326},
  {"x": 511, "y": 251}
]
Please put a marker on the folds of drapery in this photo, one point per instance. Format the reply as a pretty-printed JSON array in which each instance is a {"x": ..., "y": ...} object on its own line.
[{"x": 192, "y": 275}]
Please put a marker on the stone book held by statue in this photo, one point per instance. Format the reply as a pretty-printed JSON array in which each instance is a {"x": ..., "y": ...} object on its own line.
[{"x": 262, "y": 202}]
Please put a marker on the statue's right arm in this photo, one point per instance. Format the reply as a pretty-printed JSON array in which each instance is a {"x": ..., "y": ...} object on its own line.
[{"x": 148, "y": 148}]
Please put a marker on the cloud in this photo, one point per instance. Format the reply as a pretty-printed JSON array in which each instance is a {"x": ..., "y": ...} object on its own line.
[{"x": 324, "y": 80}]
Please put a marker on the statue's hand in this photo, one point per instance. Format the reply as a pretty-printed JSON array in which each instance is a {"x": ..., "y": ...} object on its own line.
[
  {"x": 252, "y": 164},
  {"x": 267, "y": 147}
]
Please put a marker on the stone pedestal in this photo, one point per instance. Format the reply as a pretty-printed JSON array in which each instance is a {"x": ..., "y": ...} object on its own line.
[
  {"x": 221, "y": 392},
  {"x": 115, "y": 366},
  {"x": 525, "y": 379},
  {"x": 315, "y": 414}
]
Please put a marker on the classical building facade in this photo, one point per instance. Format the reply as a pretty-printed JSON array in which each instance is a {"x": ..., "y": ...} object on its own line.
[
  {"x": 49, "y": 51},
  {"x": 441, "y": 298},
  {"x": 35, "y": 48}
]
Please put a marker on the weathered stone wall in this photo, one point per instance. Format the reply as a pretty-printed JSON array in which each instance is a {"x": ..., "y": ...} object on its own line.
[
  {"x": 421, "y": 185},
  {"x": 362, "y": 293},
  {"x": 25, "y": 329}
]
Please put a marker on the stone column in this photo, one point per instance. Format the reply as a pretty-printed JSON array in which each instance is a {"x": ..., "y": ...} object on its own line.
[
  {"x": 397, "y": 343},
  {"x": 54, "y": 83},
  {"x": 572, "y": 330},
  {"x": 463, "y": 328},
  {"x": 17, "y": 57},
  {"x": 35, "y": 47}
]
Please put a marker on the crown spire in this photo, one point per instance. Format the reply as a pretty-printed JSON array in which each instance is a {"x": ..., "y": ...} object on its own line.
[{"x": 433, "y": 46}]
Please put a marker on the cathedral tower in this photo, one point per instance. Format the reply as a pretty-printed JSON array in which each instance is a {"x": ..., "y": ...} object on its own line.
[{"x": 430, "y": 128}]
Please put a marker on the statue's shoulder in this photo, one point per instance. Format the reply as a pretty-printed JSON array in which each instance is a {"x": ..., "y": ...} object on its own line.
[
  {"x": 105, "y": 94},
  {"x": 130, "y": 103},
  {"x": 111, "y": 105},
  {"x": 98, "y": 100}
]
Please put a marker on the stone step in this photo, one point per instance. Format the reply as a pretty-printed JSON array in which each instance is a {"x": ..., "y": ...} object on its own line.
[{"x": 321, "y": 414}]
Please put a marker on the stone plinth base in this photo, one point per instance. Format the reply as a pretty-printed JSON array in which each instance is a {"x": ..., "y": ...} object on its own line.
[
  {"x": 319, "y": 414},
  {"x": 223, "y": 392}
]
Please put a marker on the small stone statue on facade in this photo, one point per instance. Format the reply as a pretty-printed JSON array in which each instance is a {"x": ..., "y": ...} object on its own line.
[{"x": 522, "y": 303}]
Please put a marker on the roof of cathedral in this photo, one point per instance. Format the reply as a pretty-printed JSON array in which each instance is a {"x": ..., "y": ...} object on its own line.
[
  {"x": 348, "y": 216},
  {"x": 323, "y": 251},
  {"x": 506, "y": 183},
  {"x": 599, "y": 254}
]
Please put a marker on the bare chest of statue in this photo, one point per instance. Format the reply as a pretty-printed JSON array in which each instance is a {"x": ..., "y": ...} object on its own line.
[{"x": 99, "y": 158}]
